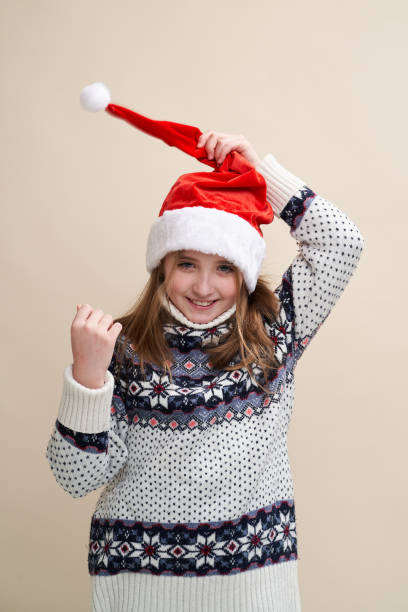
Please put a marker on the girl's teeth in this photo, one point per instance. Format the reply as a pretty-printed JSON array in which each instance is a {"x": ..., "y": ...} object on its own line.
[{"x": 201, "y": 303}]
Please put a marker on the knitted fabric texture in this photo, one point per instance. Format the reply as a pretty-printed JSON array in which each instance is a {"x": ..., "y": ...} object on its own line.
[{"x": 197, "y": 510}]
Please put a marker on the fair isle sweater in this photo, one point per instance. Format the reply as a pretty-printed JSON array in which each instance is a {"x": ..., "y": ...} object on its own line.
[{"x": 197, "y": 512}]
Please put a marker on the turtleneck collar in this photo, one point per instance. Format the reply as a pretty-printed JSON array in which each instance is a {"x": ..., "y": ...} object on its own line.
[{"x": 186, "y": 335}]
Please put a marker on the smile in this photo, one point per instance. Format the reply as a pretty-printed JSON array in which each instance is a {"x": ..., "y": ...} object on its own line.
[{"x": 202, "y": 305}]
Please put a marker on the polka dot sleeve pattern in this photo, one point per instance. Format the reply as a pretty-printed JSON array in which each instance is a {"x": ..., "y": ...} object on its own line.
[
  {"x": 329, "y": 249},
  {"x": 81, "y": 458}
]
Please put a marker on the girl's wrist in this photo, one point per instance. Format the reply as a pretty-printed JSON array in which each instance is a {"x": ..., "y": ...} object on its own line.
[{"x": 86, "y": 380}]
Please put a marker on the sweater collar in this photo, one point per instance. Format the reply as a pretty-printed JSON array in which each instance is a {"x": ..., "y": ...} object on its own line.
[{"x": 186, "y": 335}]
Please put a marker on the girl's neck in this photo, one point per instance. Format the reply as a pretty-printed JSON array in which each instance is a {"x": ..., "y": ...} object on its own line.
[{"x": 177, "y": 314}]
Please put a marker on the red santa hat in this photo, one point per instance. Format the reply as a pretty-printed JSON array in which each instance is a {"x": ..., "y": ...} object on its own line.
[{"x": 217, "y": 212}]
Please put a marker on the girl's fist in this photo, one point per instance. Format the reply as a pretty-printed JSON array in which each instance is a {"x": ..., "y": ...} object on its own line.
[{"x": 93, "y": 339}]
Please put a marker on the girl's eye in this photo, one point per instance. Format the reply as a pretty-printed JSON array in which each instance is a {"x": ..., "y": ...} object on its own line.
[{"x": 225, "y": 266}]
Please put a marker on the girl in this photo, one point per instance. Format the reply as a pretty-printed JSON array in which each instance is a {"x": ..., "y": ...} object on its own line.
[{"x": 181, "y": 407}]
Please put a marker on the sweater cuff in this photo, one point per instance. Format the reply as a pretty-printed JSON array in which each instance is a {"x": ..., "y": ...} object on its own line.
[
  {"x": 281, "y": 184},
  {"x": 83, "y": 409}
]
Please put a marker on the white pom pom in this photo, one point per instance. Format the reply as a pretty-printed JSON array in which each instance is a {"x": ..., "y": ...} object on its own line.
[{"x": 95, "y": 97}]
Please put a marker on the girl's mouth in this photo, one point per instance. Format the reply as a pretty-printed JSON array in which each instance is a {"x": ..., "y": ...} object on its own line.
[{"x": 199, "y": 307}]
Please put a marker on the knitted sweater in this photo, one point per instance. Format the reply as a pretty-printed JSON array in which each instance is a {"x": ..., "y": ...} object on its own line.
[{"x": 197, "y": 513}]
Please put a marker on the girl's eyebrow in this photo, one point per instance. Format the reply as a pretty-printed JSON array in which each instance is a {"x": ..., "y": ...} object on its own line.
[{"x": 181, "y": 256}]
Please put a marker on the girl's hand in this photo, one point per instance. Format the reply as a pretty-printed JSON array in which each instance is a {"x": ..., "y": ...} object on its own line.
[
  {"x": 218, "y": 145},
  {"x": 93, "y": 340}
]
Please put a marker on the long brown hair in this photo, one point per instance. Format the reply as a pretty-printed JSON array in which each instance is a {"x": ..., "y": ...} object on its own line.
[{"x": 143, "y": 332}]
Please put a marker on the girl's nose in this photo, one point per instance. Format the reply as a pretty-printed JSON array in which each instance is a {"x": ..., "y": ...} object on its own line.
[{"x": 202, "y": 286}]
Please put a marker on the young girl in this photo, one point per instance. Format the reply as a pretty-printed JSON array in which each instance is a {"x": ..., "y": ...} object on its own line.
[{"x": 181, "y": 407}]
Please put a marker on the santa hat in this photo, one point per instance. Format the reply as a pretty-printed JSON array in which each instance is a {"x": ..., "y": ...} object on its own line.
[{"x": 217, "y": 212}]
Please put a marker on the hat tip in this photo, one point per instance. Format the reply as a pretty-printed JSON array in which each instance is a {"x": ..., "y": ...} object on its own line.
[{"x": 95, "y": 97}]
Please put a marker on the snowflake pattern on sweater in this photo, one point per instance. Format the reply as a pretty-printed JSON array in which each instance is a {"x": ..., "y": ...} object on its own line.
[{"x": 196, "y": 470}]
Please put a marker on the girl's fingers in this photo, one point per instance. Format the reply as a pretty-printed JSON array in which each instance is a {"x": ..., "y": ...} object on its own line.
[
  {"x": 88, "y": 314},
  {"x": 203, "y": 139},
  {"x": 210, "y": 145},
  {"x": 115, "y": 330},
  {"x": 208, "y": 140},
  {"x": 221, "y": 151},
  {"x": 83, "y": 311},
  {"x": 96, "y": 316},
  {"x": 106, "y": 322},
  {"x": 218, "y": 145}
]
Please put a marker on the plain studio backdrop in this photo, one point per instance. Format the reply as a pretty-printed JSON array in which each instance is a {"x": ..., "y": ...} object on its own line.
[{"x": 321, "y": 85}]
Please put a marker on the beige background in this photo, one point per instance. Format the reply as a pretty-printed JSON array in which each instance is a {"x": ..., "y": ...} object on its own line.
[{"x": 322, "y": 86}]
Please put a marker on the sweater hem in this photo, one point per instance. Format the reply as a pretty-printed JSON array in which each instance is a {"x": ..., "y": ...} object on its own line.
[{"x": 272, "y": 587}]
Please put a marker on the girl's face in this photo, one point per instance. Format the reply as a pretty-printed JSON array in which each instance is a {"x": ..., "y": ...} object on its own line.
[{"x": 201, "y": 277}]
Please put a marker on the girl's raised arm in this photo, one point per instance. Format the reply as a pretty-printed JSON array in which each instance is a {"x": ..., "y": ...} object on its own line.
[
  {"x": 330, "y": 246},
  {"x": 87, "y": 446}
]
